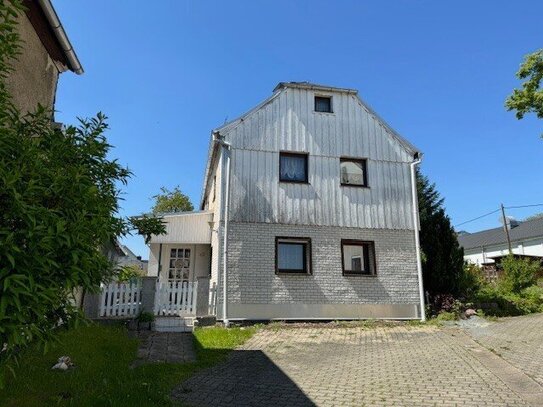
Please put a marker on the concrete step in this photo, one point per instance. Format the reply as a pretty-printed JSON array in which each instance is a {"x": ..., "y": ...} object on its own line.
[{"x": 174, "y": 324}]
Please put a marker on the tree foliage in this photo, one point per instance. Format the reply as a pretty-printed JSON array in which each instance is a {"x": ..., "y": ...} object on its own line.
[
  {"x": 171, "y": 201},
  {"x": 443, "y": 258},
  {"x": 59, "y": 204},
  {"x": 534, "y": 216},
  {"x": 529, "y": 98}
]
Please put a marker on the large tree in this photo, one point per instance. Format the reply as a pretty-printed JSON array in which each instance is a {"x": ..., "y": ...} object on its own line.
[
  {"x": 59, "y": 205},
  {"x": 171, "y": 201},
  {"x": 528, "y": 99},
  {"x": 443, "y": 258}
]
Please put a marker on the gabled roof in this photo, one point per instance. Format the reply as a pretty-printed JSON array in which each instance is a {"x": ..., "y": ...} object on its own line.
[
  {"x": 313, "y": 86},
  {"x": 525, "y": 230},
  {"x": 282, "y": 86}
]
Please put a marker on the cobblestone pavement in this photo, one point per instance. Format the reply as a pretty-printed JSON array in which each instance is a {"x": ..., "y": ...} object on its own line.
[
  {"x": 357, "y": 366},
  {"x": 170, "y": 347},
  {"x": 518, "y": 340}
]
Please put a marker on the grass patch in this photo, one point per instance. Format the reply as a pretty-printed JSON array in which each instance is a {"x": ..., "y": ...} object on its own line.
[{"x": 102, "y": 375}]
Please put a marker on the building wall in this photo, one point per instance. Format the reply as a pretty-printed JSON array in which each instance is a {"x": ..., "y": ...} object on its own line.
[
  {"x": 35, "y": 75},
  {"x": 288, "y": 123},
  {"x": 532, "y": 247},
  {"x": 256, "y": 292}
]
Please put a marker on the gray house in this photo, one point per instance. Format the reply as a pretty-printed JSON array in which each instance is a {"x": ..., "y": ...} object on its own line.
[{"x": 308, "y": 211}]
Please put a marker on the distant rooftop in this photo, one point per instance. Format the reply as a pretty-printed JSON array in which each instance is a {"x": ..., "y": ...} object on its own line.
[{"x": 525, "y": 230}]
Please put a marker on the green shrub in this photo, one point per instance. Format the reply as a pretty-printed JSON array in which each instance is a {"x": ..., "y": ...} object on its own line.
[
  {"x": 530, "y": 300},
  {"x": 130, "y": 272},
  {"x": 471, "y": 280},
  {"x": 447, "y": 316},
  {"x": 518, "y": 274},
  {"x": 145, "y": 317},
  {"x": 533, "y": 293}
]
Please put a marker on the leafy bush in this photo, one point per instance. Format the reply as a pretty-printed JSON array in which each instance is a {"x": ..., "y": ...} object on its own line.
[
  {"x": 471, "y": 280},
  {"x": 518, "y": 274},
  {"x": 507, "y": 303},
  {"x": 59, "y": 205},
  {"x": 145, "y": 317},
  {"x": 130, "y": 272},
  {"x": 447, "y": 304}
]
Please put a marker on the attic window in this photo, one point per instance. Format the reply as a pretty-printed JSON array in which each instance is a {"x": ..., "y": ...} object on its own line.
[{"x": 323, "y": 104}]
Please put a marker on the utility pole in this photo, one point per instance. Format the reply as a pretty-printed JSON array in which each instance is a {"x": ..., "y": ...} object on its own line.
[{"x": 506, "y": 229}]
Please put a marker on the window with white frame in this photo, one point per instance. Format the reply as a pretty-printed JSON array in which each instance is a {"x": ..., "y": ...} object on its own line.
[{"x": 179, "y": 266}]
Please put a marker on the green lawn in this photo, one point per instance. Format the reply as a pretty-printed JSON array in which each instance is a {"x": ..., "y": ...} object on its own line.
[{"x": 102, "y": 375}]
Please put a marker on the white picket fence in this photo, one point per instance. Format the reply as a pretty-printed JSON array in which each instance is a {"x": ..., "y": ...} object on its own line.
[
  {"x": 177, "y": 298},
  {"x": 120, "y": 299}
]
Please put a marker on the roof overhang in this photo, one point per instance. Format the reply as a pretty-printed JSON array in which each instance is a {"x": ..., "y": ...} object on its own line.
[
  {"x": 186, "y": 228},
  {"x": 44, "y": 19}
]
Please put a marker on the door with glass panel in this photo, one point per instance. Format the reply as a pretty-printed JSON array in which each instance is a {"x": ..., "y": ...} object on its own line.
[{"x": 180, "y": 269}]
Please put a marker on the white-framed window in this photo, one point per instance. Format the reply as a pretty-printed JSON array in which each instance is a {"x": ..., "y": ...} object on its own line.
[{"x": 179, "y": 265}]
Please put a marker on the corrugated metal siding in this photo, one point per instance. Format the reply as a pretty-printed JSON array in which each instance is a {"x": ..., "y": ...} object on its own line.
[
  {"x": 289, "y": 123},
  {"x": 186, "y": 228}
]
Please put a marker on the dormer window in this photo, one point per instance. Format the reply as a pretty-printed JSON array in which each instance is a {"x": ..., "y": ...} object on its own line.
[{"x": 323, "y": 104}]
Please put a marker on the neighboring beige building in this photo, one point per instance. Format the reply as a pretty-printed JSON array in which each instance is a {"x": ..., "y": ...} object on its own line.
[{"x": 46, "y": 53}]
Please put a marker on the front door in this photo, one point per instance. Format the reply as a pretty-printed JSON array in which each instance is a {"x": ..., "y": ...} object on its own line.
[{"x": 180, "y": 267}]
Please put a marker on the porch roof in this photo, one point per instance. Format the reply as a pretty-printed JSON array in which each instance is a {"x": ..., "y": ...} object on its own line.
[{"x": 186, "y": 227}]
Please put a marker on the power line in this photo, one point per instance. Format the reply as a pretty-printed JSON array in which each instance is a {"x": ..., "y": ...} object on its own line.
[
  {"x": 477, "y": 218},
  {"x": 523, "y": 206},
  {"x": 497, "y": 210}
]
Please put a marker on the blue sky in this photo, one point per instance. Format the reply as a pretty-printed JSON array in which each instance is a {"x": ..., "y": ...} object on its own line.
[{"x": 438, "y": 72}]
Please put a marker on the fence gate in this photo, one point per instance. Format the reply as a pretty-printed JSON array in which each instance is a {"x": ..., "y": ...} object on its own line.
[
  {"x": 120, "y": 299},
  {"x": 176, "y": 298}
]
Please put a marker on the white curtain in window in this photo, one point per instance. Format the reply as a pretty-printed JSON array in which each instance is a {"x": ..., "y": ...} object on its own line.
[{"x": 293, "y": 168}]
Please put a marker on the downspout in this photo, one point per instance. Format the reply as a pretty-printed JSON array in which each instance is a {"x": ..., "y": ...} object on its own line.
[
  {"x": 226, "y": 149},
  {"x": 159, "y": 266},
  {"x": 416, "y": 225}
]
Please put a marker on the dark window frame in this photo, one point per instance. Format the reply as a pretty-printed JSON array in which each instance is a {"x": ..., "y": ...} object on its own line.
[
  {"x": 368, "y": 245},
  {"x": 364, "y": 162},
  {"x": 307, "y": 266},
  {"x": 322, "y": 97},
  {"x": 295, "y": 154}
]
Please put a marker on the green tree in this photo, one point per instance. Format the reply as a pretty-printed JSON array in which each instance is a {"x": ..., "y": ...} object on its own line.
[
  {"x": 171, "y": 201},
  {"x": 59, "y": 204},
  {"x": 443, "y": 258},
  {"x": 528, "y": 99},
  {"x": 534, "y": 216}
]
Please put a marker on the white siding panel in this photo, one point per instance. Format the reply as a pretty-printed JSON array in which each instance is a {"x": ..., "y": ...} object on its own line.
[
  {"x": 289, "y": 123},
  {"x": 186, "y": 228}
]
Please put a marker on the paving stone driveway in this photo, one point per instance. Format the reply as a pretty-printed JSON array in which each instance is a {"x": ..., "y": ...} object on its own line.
[{"x": 406, "y": 366}]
